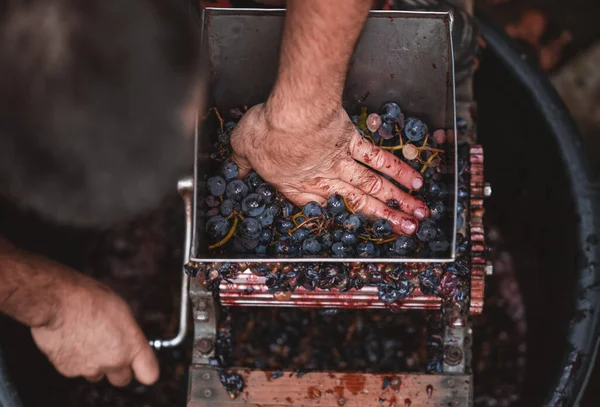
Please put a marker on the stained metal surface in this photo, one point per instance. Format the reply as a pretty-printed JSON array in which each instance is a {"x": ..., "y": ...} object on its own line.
[
  {"x": 478, "y": 247},
  {"x": 250, "y": 290},
  {"x": 401, "y": 56},
  {"x": 331, "y": 389}
]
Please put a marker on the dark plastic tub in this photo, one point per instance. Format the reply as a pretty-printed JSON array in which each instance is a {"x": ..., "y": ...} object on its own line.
[{"x": 546, "y": 205}]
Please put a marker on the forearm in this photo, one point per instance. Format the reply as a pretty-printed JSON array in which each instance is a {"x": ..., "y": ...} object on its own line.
[
  {"x": 318, "y": 40},
  {"x": 31, "y": 287}
]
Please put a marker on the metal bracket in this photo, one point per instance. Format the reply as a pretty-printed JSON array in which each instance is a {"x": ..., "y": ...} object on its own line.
[{"x": 185, "y": 187}]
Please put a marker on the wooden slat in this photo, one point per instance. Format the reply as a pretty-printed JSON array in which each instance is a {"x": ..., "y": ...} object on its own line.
[{"x": 331, "y": 389}]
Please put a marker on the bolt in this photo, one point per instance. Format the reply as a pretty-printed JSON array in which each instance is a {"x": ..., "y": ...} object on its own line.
[
  {"x": 451, "y": 383},
  {"x": 453, "y": 355},
  {"x": 202, "y": 316},
  {"x": 489, "y": 268},
  {"x": 207, "y": 393},
  {"x": 204, "y": 345},
  {"x": 205, "y": 376},
  {"x": 487, "y": 189},
  {"x": 341, "y": 401}
]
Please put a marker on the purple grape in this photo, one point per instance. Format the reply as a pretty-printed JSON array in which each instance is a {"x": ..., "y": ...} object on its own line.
[
  {"x": 250, "y": 228},
  {"x": 414, "y": 129},
  {"x": 229, "y": 171},
  {"x": 382, "y": 228},
  {"x": 236, "y": 190},
  {"x": 216, "y": 185},
  {"x": 217, "y": 227},
  {"x": 311, "y": 246},
  {"x": 312, "y": 209},
  {"x": 336, "y": 205},
  {"x": 267, "y": 191},
  {"x": 253, "y": 205}
]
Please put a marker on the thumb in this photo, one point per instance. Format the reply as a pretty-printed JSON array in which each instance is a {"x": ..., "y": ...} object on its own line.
[
  {"x": 145, "y": 366},
  {"x": 244, "y": 166}
]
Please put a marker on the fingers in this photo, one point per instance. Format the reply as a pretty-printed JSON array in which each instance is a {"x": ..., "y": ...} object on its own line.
[
  {"x": 121, "y": 377},
  {"x": 385, "y": 162},
  {"x": 243, "y": 164},
  {"x": 359, "y": 201},
  {"x": 94, "y": 378},
  {"x": 145, "y": 366},
  {"x": 301, "y": 199},
  {"x": 377, "y": 186}
]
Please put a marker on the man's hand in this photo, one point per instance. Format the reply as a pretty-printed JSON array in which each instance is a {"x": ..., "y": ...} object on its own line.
[
  {"x": 309, "y": 161},
  {"x": 303, "y": 142},
  {"x": 82, "y": 326},
  {"x": 94, "y": 335}
]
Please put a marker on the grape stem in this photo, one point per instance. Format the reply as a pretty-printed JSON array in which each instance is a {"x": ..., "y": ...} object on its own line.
[
  {"x": 348, "y": 206},
  {"x": 429, "y": 161},
  {"x": 227, "y": 236},
  {"x": 380, "y": 240},
  {"x": 214, "y": 109},
  {"x": 304, "y": 223}
]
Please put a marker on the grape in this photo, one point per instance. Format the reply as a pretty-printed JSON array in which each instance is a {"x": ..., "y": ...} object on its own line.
[
  {"x": 230, "y": 125},
  {"x": 326, "y": 240},
  {"x": 373, "y": 122},
  {"x": 393, "y": 203},
  {"x": 285, "y": 246},
  {"x": 227, "y": 207},
  {"x": 249, "y": 244},
  {"x": 266, "y": 191},
  {"x": 404, "y": 246},
  {"x": 265, "y": 236},
  {"x": 386, "y": 131},
  {"x": 266, "y": 218},
  {"x": 427, "y": 231},
  {"x": 300, "y": 234},
  {"x": 253, "y": 205},
  {"x": 213, "y": 212},
  {"x": 390, "y": 112},
  {"x": 348, "y": 238},
  {"x": 287, "y": 209},
  {"x": 339, "y": 249},
  {"x": 439, "y": 245},
  {"x": 463, "y": 193},
  {"x": 459, "y": 222},
  {"x": 337, "y": 235},
  {"x": 212, "y": 202},
  {"x": 216, "y": 185},
  {"x": 261, "y": 249},
  {"x": 437, "y": 210},
  {"x": 250, "y": 228},
  {"x": 236, "y": 190},
  {"x": 389, "y": 293},
  {"x": 414, "y": 129},
  {"x": 223, "y": 138},
  {"x": 352, "y": 223},
  {"x": 340, "y": 218},
  {"x": 253, "y": 180},
  {"x": 428, "y": 282},
  {"x": 460, "y": 207},
  {"x": 229, "y": 171},
  {"x": 273, "y": 209},
  {"x": 365, "y": 249},
  {"x": 283, "y": 225},
  {"x": 311, "y": 246},
  {"x": 312, "y": 209},
  {"x": 335, "y": 204},
  {"x": 217, "y": 227},
  {"x": 382, "y": 228}
]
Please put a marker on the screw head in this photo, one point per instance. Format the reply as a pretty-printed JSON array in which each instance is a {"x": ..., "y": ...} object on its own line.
[
  {"x": 453, "y": 355},
  {"x": 207, "y": 393},
  {"x": 489, "y": 268},
  {"x": 487, "y": 190},
  {"x": 204, "y": 345},
  {"x": 206, "y": 376}
]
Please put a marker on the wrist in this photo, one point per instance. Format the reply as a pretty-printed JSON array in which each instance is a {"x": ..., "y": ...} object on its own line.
[{"x": 286, "y": 110}]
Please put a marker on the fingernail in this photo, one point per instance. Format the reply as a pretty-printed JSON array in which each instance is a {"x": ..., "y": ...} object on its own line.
[
  {"x": 420, "y": 213},
  {"x": 408, "y": 226},
  {"x": 417, "y": 183}
]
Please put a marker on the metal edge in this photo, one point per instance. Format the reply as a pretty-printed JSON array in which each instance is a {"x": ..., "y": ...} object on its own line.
[{"x": 379, "y": 13}]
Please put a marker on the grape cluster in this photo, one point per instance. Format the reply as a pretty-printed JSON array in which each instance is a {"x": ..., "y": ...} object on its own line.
[{"x": 250, "y": 217}]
